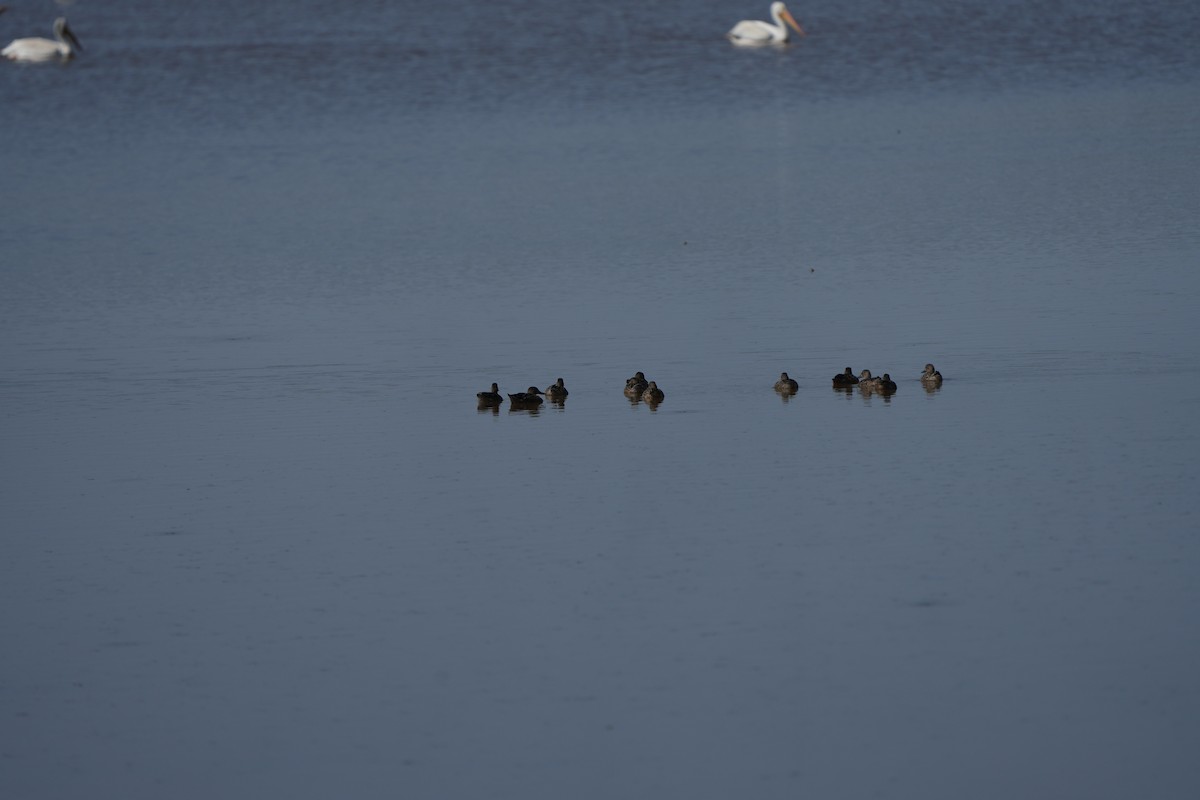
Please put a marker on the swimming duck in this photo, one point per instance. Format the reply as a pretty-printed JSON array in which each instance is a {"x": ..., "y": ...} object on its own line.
[
  {"x": 866, "y": 382},
  {"x": 635, "y": 386},
  {"x": 492, "y": 398},
  {"x": 528, "y": 398},
  {"x": 652, "y": 393},
  {"x": 785, "y": 384},
  {"x": 557, "y": 391},
  {"x": 931, "y": 375},
  {"x": 885, "y": 384},
  {"x": 844, "y": 379}
]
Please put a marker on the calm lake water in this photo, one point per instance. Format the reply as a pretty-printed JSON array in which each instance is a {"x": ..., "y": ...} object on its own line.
[{"x": 256, "y": 540}]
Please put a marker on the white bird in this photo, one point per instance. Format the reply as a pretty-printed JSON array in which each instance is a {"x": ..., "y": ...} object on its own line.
[
  {"x": 37, "y": 49},
  {"x": 755, "y": 32}
]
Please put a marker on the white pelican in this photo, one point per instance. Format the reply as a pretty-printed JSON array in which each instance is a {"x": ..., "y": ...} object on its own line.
[
  {"x": 36, "y": 49},
  {"x": 755, "y": 32}
]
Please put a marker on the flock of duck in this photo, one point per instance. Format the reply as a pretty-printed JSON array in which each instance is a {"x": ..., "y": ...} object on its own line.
[
  {"x": 747, "y": 33},
  {"x": 638, "y": 389},
  {"x": 866, "y": 382},
  {"x": 531, "y": 398}
]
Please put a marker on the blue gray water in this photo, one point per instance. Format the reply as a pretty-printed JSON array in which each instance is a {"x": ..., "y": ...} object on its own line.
[{"x": 256, "y": 539}]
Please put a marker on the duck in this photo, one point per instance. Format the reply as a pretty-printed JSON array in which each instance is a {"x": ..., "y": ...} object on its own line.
[
  {"x": 635, "y": 386},
  {"x": 652, "y": 393},
  {"x": 785, "y": 384},
  {"x": 556, "y": 391},
  {"x": 886, "y": 384},
  {"x": 866, "y": 382},
  {"x": 491, "y": 398},
  {"x": 38, "y": 49},
  {"x": 931, "y": 375},
  {"x": 844, "y": 379},
  {"x": 528, "y": 398}
]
